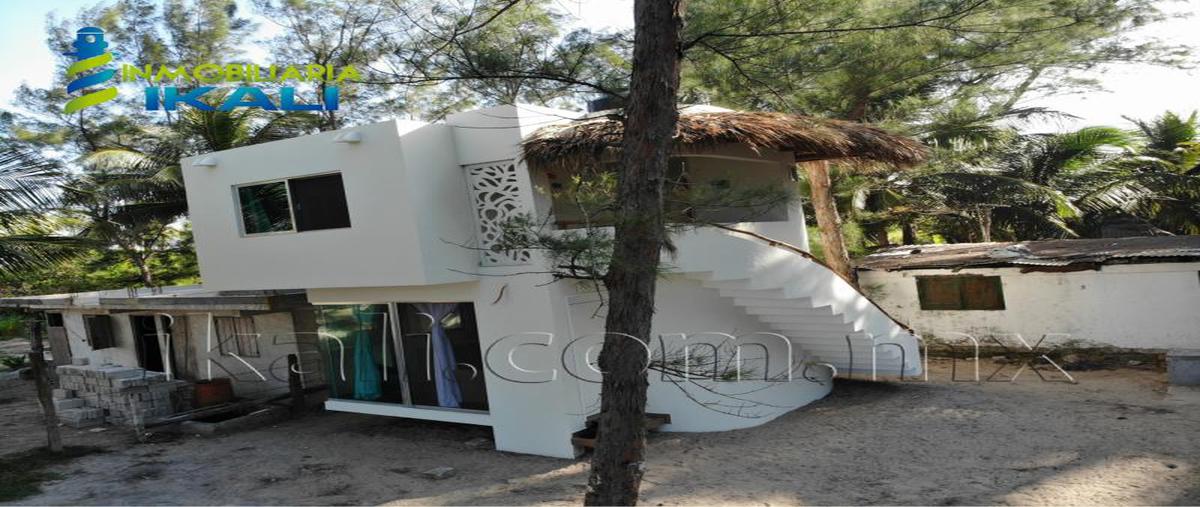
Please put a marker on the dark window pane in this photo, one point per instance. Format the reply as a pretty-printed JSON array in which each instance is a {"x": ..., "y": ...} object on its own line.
[
  {"x": 265, "y": 208},
  {"x": 939, "y": 292},
  {"x": 319, "y": 203},
  {"x": 982, "y": 293},
  {"x": 960, "y": 292},
  {"x": 99, "y": 331},
  {"x": 54, "y": 320}
]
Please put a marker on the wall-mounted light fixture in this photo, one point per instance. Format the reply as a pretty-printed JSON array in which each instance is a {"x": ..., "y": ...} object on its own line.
[
  {"x": 205, "y": 162},
  {"x": 348, "y": 137}
]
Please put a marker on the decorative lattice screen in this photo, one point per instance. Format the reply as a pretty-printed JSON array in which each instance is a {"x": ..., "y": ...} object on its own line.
[{"x": 495, "y": 193}]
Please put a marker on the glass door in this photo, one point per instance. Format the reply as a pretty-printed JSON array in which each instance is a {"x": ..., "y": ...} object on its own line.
[
  {"x": 442, "y": 355},
  {"x": 416, "y": 354},
  {"x": 360, "y": 352}
]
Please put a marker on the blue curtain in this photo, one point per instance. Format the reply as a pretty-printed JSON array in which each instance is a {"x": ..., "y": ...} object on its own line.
[
  {"x": 448, "y": 393},
  {"x": 367, "y": 382}
]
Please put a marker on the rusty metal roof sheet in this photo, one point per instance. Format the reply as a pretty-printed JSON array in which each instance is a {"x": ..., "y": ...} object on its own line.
[{"x": 1046, "y": 253}]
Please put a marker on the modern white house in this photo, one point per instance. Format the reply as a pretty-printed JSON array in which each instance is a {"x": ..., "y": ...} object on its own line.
[
  {"x": 1136, "y": 292},
  {"x": 392, "y": 232},
  {"x": 390, "y": 229}
]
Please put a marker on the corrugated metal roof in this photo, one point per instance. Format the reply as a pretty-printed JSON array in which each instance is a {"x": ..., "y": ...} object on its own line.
[
  {"x": 174, "y": 297},
  {"x": 1048, "y": 253}
]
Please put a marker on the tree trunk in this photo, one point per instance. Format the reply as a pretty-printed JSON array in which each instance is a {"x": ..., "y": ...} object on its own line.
[
  {"x": 910, "y": 233},
  {"x": 878, "y": 229},
  {"x": 41, "y": 376},
  {"x": 828, "y": 220},
  {"x": 650, "y": 120},
  {"x": 984, "y": 218},
  {"x": 143, "y": 270}
]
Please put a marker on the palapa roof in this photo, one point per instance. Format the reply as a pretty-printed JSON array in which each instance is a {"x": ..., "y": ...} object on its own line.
[
  {"x": 1057, "y": 254},
  {"x": 584, "y": 141}
]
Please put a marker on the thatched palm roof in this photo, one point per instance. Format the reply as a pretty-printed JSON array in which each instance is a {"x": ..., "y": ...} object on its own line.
[{"x": 585, "y": 141}]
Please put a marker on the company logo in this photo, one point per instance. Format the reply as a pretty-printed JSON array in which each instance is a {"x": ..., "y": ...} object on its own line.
[{"x": 90, "y": 54}]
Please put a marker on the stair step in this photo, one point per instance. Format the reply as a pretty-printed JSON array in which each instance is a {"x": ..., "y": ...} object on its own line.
[
  {"x": 754, "y": 293},
  {"x": 798, "y": 304},
  {"x": 819, "y": 329}
]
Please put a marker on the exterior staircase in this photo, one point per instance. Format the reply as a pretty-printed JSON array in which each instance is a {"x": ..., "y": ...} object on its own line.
[{"x": 795, "y": 295}]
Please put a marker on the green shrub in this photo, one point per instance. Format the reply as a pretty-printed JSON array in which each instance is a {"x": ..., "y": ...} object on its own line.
[
  {"x": 11, "y": 324},
  {"x": 13, "y": 362}
]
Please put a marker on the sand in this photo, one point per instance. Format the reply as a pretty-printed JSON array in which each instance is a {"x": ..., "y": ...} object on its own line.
[{"x": 1115, "y": 438}]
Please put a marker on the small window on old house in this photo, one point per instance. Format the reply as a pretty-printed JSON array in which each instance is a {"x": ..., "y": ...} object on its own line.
[
  {"x": 99, "y": 331},
  {"x": 54, "y": 320},
  {"x": 236, "y": 335},
  {"x": 960, "y": 292}
]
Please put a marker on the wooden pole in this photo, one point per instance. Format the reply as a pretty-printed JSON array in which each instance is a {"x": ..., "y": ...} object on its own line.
[
  {"x": 294, "y": 385},
  {"x": 41, "y": 377}
]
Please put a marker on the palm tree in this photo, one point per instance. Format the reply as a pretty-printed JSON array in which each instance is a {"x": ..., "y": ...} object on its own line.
[
  {"x": 1160, "y": 184},
  {"x": 1026, "y": 187},
  {"x": 26, "y": 193},
  {"x": 132, "y": 197}
]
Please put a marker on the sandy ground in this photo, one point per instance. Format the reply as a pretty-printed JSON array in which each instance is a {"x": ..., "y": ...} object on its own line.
[{"x": 1116, "y": 437}]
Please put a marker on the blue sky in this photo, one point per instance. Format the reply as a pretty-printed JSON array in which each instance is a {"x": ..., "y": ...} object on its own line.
[{"x": 1132, "y": 90}]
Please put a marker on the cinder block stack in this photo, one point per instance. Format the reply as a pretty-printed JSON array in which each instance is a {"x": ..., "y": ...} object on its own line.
[{"x": 92, "y": 395}]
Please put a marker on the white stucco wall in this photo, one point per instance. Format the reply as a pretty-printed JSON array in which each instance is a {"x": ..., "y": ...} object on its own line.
[
  {"x": 528, "y": 412},
  {"x": 536, "y": 410},
  {"x": 1146, "y": 306},
  {"x": 404, "y": 190},
  {"x": 275, "y": 342},
  {"x": 123, "y": 353},
  {"x": 257, "y": 377},
  {"x": 688, "y": 313}
]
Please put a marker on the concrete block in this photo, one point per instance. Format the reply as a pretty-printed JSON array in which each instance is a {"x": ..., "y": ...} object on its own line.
[
  {"x": 111, "y": 372},
  {"x": 1183, "y": 367},
  {"x": 79, "y": 361},
  {"x": 67, "y": 403},
  {"x": 122, "y": 384},
  {"x": 62, "y": 394}
]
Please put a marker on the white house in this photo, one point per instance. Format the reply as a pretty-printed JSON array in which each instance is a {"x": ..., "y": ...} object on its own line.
[
  {"x": 1136, "y": 292},
  {"x": 390, "y": 229}
]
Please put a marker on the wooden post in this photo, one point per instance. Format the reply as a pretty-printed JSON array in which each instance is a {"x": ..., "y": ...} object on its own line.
[
  {"x": 294, "y": 385},
  {"x": 41, "y": 376}
]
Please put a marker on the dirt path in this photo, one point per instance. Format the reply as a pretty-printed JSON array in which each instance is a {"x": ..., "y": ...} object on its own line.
[{"x": 1114, "y": 438}]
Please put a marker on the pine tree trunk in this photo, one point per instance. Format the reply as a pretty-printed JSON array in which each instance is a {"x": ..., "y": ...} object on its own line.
[
  {"x": 878, "y": 230},
  {"x": 650, "y": 120},
  {"x": 910, "y": 233},
  {"x": 828, "y": 220}
]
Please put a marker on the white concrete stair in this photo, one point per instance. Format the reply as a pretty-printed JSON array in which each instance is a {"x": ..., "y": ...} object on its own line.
[{"x": 791, "y": 294}]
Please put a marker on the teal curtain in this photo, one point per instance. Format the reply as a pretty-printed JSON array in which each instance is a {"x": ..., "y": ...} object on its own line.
[{"x": 368, "y": 384}]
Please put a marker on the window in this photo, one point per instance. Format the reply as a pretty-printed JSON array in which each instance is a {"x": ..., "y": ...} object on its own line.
[
  {"x": 99, "y": 331},
  {"x": 319, "y": 202},
  {"x": 294, "y": 205},
  {"x": 265, "y": 208},
  {"x": 54, "y": 320},
  {"x": 236, "y": 335},
  {"x": 960, "y": 292}
]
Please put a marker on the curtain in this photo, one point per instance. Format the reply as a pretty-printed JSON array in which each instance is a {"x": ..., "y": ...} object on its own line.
[
  {"x": 367, "y": 382},
  {"x": 448, "y": 393}
]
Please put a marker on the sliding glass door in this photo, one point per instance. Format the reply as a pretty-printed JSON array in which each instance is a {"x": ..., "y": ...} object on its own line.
[{"x": 415, "y": 354}]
